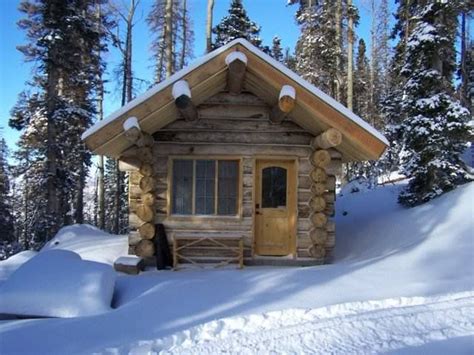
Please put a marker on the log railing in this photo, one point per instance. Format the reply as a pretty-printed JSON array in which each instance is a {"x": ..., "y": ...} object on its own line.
[{"x": 199, "y": 250}]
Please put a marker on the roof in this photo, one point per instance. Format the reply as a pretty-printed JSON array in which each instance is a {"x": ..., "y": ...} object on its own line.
[{"x": 314, "y": 111}]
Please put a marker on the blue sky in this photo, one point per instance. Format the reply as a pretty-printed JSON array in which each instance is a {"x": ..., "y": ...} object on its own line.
[{"x": 273, "y": 16}]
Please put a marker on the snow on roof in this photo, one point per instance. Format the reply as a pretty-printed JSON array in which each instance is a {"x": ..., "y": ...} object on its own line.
[{"x": 254, "y": 50}]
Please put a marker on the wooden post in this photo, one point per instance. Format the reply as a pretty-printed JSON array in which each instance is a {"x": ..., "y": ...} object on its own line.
[{"x": 237, "y": 64}]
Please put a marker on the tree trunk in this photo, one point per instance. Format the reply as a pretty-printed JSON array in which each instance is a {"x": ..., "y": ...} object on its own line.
[
  {"x": 100, "y": 182},
  {"x": 169, "y": 37},
  {"x": 463, "y": 69},
  {"x": 210, "y": 8},
  {"x": 117, "y": 200},
  {"x": 350, "y": 53},
  {"x": 373, "y": 62},
  {"x": 184, "y": 42},
  {"x": 51, "y": 157},
  {"x": 338, "y": 24}
]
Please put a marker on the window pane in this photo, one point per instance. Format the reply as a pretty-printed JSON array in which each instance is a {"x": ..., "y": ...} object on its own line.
[
  {"x": 273, "y": 187},
  {"x": 182, "y": 186},
  {"x": 205, "y": 186},
  {"x": 228, "y": 187}
]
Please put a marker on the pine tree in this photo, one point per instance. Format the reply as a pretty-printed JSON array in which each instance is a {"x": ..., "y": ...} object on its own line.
[
  {"x": 319, "y": 49},
  {"x": 435, "y": 128},
  {"x": 182, "y": 37},
  {"x": 276, "y": 51},
  {"x": 62, "y": 40},
  {"x": 236, "y": 24},
  {"x": 6, "y": 215},
  {"x": 361, "y": 82}
]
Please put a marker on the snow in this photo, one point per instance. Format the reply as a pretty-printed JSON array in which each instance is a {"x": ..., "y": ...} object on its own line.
[
  {"x": 181, "y": 88},
  {"x": 90, "y": 243},
  {"x": 236, "y": 56},
  {"x": 287, "y": 90},
  {"x": 14, "y": 262},
  {"x": 58, "y": 283},
  {"x": 280, "y": 67},
  {"x": 128, "y": 260},
  {"x": 402, "y": 281},
  {"x": 131, "y": 122}
]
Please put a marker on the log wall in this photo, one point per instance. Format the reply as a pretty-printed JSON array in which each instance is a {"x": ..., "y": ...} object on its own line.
[{"x": 236, "y": 126}]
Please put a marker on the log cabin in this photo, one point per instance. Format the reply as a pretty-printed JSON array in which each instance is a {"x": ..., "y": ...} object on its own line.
[{"x": 237, "y": 157}]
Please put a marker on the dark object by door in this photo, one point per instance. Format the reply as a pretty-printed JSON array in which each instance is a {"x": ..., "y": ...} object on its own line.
[{"x": 164, "y": 258}]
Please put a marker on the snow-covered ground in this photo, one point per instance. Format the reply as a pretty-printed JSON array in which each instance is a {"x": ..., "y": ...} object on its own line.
[{"x": 402, "y": 281}]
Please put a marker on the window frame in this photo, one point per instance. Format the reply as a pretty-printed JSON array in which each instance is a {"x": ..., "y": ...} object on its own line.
[{"x": 193, "y": 216}]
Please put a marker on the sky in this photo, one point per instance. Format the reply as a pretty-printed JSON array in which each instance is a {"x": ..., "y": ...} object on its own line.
[{"x": 274, "y": 17}]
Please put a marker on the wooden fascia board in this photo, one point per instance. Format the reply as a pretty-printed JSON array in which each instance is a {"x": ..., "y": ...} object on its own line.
[
  {"x": 100, "y": 141},
  {"x": 369, "y": 145}
]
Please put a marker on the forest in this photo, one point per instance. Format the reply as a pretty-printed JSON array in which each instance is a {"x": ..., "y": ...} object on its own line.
[{"x": 413, "y": 81}]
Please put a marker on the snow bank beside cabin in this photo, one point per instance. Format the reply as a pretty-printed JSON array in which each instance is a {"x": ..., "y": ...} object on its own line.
[
  {"x": 90, "y": 243},
  {"x": 8, "y": 266},
  {"x": 58, "y": 283},
  {"x": 385, "y": 255}
]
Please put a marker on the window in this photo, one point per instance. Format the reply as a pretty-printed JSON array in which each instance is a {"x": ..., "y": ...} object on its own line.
[
  {"x": 273, "y": 187},
  {"x": 205, "y": 187}
]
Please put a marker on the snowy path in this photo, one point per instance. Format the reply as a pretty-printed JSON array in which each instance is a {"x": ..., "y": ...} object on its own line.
[{"x": 359, "y": 327}]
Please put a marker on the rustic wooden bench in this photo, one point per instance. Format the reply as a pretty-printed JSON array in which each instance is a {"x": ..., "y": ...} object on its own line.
[{"x": 203, "y": 249}]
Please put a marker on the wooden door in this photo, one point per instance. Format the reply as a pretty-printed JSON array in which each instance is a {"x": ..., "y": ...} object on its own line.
[{"x": 275, "y": 207}]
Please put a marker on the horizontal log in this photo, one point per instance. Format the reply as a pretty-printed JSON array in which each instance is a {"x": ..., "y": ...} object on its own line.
[
  {"x": 328, "y": 139},
  {"x": 147, "y": 184},
  {"x": 145, "y": 213},
  {"x": 162, "y": 149},
  {"x": 182, "y": 99},
  {"x": 318, "y": 235},
  {"x": 317, "y": 251},
  {"x": 145, "y": 248},
  {"x": 296, "y": 138},
  {"x": 129, "y": 164},
  {"x": 147, "y": 231},
  {"x": 317, "y": 204},
  {"x": 245, "y": 98},
  {"x": 287, "y": 98},
  {"x": 318, "y": 175},
  {"x": 146, "y": 169},
  {"x": 148, "y": 199},
  {"x": 320, "y": 158},
  {"x": 132, "y": 130},
  {"x": 145, "y": 154},
  {"x": 318, "y": 219},
  {"x": 237, "y": 64},
  {"x": 221, "y": 115},
  {"x": 134, "y": 238},
  {"x": 253, "y": 119}
]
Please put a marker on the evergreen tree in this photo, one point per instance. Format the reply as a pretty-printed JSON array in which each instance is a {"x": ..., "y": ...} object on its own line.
[
  {"x": 116, "y": 219},
  {"x": 318, "y": 51},
  {"x": 361, "y": 82},
  {"x": 236, "y": 24},
  {"x": 63, "y": 38},
  {"x": 6, "y": 218},
  {"x": 435, "y": 129},
  {"x": 276, "y": 50}
]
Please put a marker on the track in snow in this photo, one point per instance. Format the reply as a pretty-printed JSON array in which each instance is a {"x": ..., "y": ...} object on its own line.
[{"x": 359, "y": 327}]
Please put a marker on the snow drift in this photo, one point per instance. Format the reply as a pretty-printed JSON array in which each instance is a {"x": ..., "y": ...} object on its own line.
[
  {"x": 58, "y": 283},
  {"x": 402, "y": 280},
  {"x": 90, "y": 243}
]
